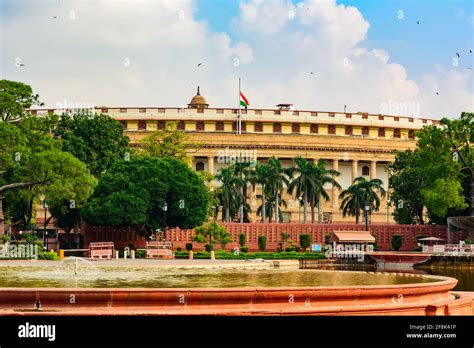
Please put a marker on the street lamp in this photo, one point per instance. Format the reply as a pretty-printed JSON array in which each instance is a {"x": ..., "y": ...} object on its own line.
[
  {"x": 367, "y": 208},
  {"x": 45, "y": 240},
  {"x": 165, "y": 209},
  {"x": 299, "y": 208}
]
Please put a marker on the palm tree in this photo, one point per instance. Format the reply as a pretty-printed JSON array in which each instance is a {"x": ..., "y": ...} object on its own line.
[
  {"x": 242, "y": 175},
  {"x": 228, "y": 192},
  {"x": 278, "y": 179},
  {"x": 270, "y": 207},
  {"x": 260, "y": 177},
  {"x": 321, "y": 177},
  {"x": 361, "y": 193},
  {"x": 304, "y": 184}
]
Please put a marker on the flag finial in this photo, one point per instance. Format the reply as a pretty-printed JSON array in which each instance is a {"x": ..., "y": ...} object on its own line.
[{"x": 198, "y": 91}]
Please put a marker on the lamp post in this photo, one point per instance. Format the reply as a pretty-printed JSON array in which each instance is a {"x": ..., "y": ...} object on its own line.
[
  {"x": 45, "y": 240},
  {"x": 367, "y": 208},
  {"x": 165, "y": 209},
  {"x": 299, "y": 208},
  {"x": 216, "y": 211}
]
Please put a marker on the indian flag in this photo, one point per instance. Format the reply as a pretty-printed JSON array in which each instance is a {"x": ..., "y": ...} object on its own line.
[{"x": 244, "y": 101}]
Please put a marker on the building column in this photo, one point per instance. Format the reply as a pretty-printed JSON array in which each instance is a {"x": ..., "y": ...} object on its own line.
[
  {"x": 210, "y": 164},
  {"x": 373, "y": 170},
  {"x": 354, "y": 170},
  {"x": 335, "y": 191}
]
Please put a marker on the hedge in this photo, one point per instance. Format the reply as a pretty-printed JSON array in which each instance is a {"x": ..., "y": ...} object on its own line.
[{"x": 248, "y": 256}]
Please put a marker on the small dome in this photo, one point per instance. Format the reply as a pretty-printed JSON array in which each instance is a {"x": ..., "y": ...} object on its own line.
[{"x": 198, "y": 101}]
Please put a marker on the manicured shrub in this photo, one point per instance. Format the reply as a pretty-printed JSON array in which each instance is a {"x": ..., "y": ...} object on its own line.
[
  {"x": 140, "y": 253},
  {"x": 189, "y": 246},
  {"x": 6, "y": 238},
  {"x": 209, "y": 247},
  {"x": 244, "y": 249},
  {"x": 179, "y": 249},
  {"x": 262, "y": 243},
  {"x": 50, "y": 255},
  {"x": 242, "y": 239},
  {"x": 418, "y": 248},
  {"x": 305, "y": 241},
  {"x": 397, "y": 242},
  {"x": 467, "y": 241},
  {"x": 327, "y": 239}
]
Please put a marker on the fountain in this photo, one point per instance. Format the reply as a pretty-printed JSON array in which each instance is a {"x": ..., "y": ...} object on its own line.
[{"x": 76, "y": 266}]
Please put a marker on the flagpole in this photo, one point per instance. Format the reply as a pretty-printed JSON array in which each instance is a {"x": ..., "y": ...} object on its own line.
[{"x": 239, "y": 122}]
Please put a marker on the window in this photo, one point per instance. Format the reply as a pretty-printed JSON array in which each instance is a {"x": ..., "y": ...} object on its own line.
[
  {"x": 199, "y": 166},
  {"x": 411, "y": 134},
  {"x": 199, "y": 125},
  {"x": 161, "y": 124},
  {"x": 348, "y": 115},
  {"x": 365, "y": 116},
  {"x": 314, "y": 113},
  {"x": 244, "y": 126},
  {"x": 258, "y": 127},
  {"x": 296, "y": 113},
  {"x": 141, "y": 125},
  {"x": 348, "y": 130},
  {"x": 276, "y": 112},
  {"x": 381, "y": 132},
  {"x": 380, "y": 118},
  {"x": 124, "y": 124},
  {"x": 142, "y": 110},
  {"x": 295, "y": 127},
  {"x": 365, "y": 130},
  {"x": 396, "y": 119},
  {"x": 396, "y": 133},
  {"x": 332, "y": 114},
  {"x": 123, "y": 110},
  {"x": 219, "y": 126},
  {"x": 258, "y": 112},
  {"x": 365, "y": 171},
  {"x": 313, "y": 129},
  {"x": 234, "y": 126},
  {"x": 277, "y": 127},
  {"x": 424, "y": 121},
  {"x": 181, "y": 125},
  {"x": 104, "y": 110},
  {"x": 410, "y": 119},
  {"x": 34, "y": 112},
  {"x": 161, "y": 111},
  {"x": 220, "y": 111},
  {"x": 331, "y": 129}
]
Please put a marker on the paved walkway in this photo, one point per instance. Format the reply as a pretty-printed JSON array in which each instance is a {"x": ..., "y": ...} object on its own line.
[{"x": 246, "y": 264}]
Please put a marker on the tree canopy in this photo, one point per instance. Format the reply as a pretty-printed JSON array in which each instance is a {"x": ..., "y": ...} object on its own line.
[
  {"x": 15, "y": 99},
  {"x": 95, "y": 139},
  {"x": 133, "y": 193}
]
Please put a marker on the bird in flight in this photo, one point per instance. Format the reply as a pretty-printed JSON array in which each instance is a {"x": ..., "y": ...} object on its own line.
[
  {"x": 417, "y": 22},
  {"x": 199, "y": 64},
  {"x": 458, "y": 55},
  {"x": 311, "y": 73},
  {"x": 437, "y": 93},
  {"x": 470, "y": 51},
  {"x": 21, "y": 64}
]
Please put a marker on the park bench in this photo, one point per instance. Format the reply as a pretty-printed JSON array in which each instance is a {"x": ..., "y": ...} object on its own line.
[
  {"x": 160, "y": 250},
  {"x": 101, "y": 250}
]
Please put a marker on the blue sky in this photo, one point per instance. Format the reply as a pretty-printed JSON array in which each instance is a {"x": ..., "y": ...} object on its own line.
[
  {"x": 135, "y": 52},
  {"x": 446, "y": 27}
]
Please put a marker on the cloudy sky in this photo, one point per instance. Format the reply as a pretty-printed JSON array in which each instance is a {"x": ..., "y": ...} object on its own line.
[{"x": 317, "y": 54}]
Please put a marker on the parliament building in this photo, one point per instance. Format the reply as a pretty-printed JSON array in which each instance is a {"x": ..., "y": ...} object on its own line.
[{"x": 355, "y": 144}]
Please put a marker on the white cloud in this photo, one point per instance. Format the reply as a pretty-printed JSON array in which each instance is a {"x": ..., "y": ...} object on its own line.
[{"x": 146, "y": 53}]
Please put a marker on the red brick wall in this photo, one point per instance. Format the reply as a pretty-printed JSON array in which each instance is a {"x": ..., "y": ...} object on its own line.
[{"x": 122, "y": 237}]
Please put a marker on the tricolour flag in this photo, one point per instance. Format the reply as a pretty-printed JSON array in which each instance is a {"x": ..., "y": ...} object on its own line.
[{"x": 243, "y": 101}]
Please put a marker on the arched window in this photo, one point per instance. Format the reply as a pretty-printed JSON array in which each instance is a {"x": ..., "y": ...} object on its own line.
[
  {"x": 199, "y": 166},
  {"x": 365, "y": 171}
]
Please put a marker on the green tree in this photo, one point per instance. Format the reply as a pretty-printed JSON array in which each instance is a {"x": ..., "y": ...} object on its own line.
[
  {"x": 278, "y": 180},
  {"x": 260, "y": 177},
  {"x": 15, "y": 99},
  {"x": 229, "y": 192},
  {"x": 303, "y": 185},
  {"x": 133, "y": 193},
  {"x": 361, "y": 193},
  {"x": 95, "y": 139},
  {"x": 212, "y": 233},
  {"x": 321, "y": 177},
  {"x": 169, "y": 142},
  {"x": 32, "y": 161}
]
